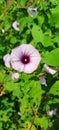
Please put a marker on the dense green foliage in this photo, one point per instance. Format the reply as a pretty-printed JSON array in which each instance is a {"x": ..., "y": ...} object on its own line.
[{"x": 24, "y": 102}]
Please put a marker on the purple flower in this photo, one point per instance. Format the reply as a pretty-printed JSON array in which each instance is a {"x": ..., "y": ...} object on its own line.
[
  {"x": 15, "y": 25},
  {"x": 25, "y": 58},
  {"x": 32, "y": 11},
  {"x": 49, "y": 70},
  {"x": 43, "y": 80},
  {"x": 52, "y": 112},
  {"x": 15, "y": 76}
]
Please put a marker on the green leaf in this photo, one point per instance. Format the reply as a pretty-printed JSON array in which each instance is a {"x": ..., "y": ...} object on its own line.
[
  {"x": 40, "y": 20},
  {"x": 23, "y": 24},
  {"x": 13, "y": 40},
  {"x": 56, "y": 38},
  {"x": 43, "y": 122},
  {"x": 54, "y": 89},
  {"x": 55, "y": 2},
  {"x": 52, "y": 58},
  {"x": 47, "y": 41},
  {"x": 22, "y": 1},
  {"x": 37, "y": 33},
  {"x": 13, "y": 87},
  {"x": 35, "y": 92},
  {"x": 6, "y": 24},
  {"x": 9, "y": 86},
  {"x": 24, "y": 104},
  {"x": 4, "y": 118},
  {"x": 16, "y": 91},
  {"x": 2, "y": 76},
  {"x": 1, "y": 125},
  {"x": 53, "y": 101},
  {"x": 28, "y": 125},
  {"x": 54, "y": 17},
  {"x": 2, "y": 47}
]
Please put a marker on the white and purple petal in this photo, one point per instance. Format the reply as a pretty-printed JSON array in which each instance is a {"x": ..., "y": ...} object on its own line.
[
  {"x": 43, "y": 80},
  {"x": 32, "y": 11},
  {"x": 15, "y": 75},
  {"x": 7, "y": 60},
  {"x": 15, "y": 25},
  {"x": 49, "y": 70}
]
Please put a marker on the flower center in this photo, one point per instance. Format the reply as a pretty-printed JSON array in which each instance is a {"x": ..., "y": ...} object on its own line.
[
  {"x": 17, "y": 25},
  {"x": 25, "y": 59},
  {"x": 33, "y": 11}
]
